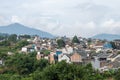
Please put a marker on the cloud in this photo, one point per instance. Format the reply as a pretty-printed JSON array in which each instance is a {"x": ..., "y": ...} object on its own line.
[
  {"x": 4, "y": 20},
  {"x": 111, "y": 26},
  {"x": 80, "y": 29},
  {"x": 15, "y": 19},
  {"x": 64, "y": 17}
]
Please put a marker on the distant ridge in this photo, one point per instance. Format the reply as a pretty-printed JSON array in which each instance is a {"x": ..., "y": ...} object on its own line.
[
  {"x": 18, "y": 29},
  {"x": 109, "y": 37},
  {"x": 3, "y": 34}
]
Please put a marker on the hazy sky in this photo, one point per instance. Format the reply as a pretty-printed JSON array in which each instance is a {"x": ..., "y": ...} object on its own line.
[{"x": 64, "y": 17}]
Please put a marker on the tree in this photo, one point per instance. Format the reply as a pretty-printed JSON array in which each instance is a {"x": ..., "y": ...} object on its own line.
[
  {"x": 24, "y": 64},
  {"x": 24, "y": 36},
  {"x": 40, "y": 64},
  {"x": 45, "y": 52},
  {"x": 5, "y": 43},
  {"x": 60, "y": 43},
  {"x": 75, "y": 40},
  {"x": 20, "y": 63},
  {"x": 113, "y": 45},
  {"x": 3, "y": 55},
  {"x": 20, "y": 44},
  {"x": 12, "y": 38},
  {"x": 117, "y": 75},
  {"x": 2, "y": 37},
  {"x": 65, "y": 71},
  {"x": 15, "y": 77}
]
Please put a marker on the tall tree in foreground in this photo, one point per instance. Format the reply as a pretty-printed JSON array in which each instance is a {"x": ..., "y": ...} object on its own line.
[
  {"x": 65, "y": 71},
  {"x": 20, "y": 63},
  {"x": 117, "y": 76}
]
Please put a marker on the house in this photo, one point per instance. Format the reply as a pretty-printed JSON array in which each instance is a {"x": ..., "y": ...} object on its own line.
[
  {"x": 81, "y": 57},
  {"x": 100, "y": 60},
  {"x": 69, "y": 49},
  {"x": 29, "y": 48},
  {"x": 76, "y": 58},
  {"x": 1, "y": 62},
  {"x": 58, "y": 52},
  {"x": 46, "y": 57},
  {"x": 85, "y": 56},
  {"x": 114, "y": 64},
  {"x": 64, "y": 50},
  {"x": 52, "y": 58},
  {"x": 65, "y": 57},
  {"x": 37, "y": 47},
  {"x": 98, "y": 46},
  {"x": 36, "y": 40},
  {"x": 107, "y": 45},
  {"x": 117, "y": 43},
  {"x": 24, "y": 49},
  {"x": 10, "y": 53},
  {"x": 39, "y": 56},
  {"x": 113, "y": 57}
]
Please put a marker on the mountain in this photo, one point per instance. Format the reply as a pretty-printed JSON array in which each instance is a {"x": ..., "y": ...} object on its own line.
[
  {"x": 109, "y": 37},
  {"x": 18, "y": 29},
  {"x": 3, "y": 34}
]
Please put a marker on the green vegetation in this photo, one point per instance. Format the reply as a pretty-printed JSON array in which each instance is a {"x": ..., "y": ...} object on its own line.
[
  {"x": 26, "y": 67},
  {"x": 20, "y": 66},
  {"x": 21, "y": 44},
  {"x": 3, "y": 36},
  {"x": 45, "y": 52},
  {"x": 12, "y": 38},
  {"x": 64, "y": 71},
  {"x": 75, "y": 39},
  {"x": 11, "y": 44},
  {"x": 117, "y": 75},
  {"x": 24, "y": 36},
  {"x": 113, "y": 45},
  {"x": 5, "y": 43},
  {"x": 60, "y": 43}
]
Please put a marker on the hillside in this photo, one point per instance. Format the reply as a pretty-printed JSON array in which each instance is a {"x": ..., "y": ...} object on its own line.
[
  {"x": 109, "y": 37},
  {"x": 18, "y": 29}
]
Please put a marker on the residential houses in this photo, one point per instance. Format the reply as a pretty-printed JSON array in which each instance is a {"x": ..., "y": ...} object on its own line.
[
  {"x": 28, "y": 48},
  {"x": 76, "y": 58},
  {"x": 117, "y": 43},
  {"x": 99, "y": 53},
  {"x": 65, "y": 57}
]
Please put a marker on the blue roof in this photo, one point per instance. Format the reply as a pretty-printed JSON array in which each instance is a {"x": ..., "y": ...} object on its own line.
[
  {"x": 58, "y": 52},
  {"x": 107, "y": 45},
  {"x": 33, "y": 45}
]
